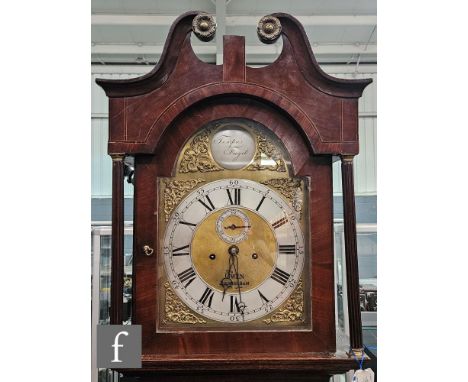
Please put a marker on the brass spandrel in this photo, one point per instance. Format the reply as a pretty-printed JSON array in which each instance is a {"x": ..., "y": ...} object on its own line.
[
  {"x": 175, "y": 190},
  {"x": 291, "y": 310},
  {"x": 268, "y": 157},
  {"x": 176, "y": 311},
  {"x": 196, "y": 156},
  {"x": 290, "y": 188}
]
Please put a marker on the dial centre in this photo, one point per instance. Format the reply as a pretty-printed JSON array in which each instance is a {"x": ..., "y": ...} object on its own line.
[
  {"x": 233, "y": 250},
  {"x": 234, "y": 267}
]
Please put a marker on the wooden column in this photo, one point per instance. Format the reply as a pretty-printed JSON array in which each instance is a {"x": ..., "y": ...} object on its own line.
[
  {"x": 117, "y": 272},
  {"x": 352, "y": 270}
]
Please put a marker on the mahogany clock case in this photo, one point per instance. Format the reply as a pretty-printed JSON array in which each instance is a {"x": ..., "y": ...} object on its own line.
[{"x": 151, "y": 118}]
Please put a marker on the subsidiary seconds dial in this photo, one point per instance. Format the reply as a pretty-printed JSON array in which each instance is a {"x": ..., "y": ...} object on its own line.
[
  {"x": 233, "y": 250},
  {"x": 233, "y": 225}
]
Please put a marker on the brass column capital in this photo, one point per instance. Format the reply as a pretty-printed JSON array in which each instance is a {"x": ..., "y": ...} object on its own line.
[
  {"x": 347, "y": 158},
  {"x": 117, "y": 157},
  {"x": 358, "y": 353}
]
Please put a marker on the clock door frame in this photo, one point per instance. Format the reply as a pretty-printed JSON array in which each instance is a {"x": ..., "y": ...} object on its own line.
[{"x": 315, "y": 116}]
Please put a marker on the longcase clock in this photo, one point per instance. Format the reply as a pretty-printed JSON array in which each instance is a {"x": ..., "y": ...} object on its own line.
[{"x": 233, "y": 208}]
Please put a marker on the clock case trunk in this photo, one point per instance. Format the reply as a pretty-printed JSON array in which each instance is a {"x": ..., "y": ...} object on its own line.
[{"x": 314, "y": 115}]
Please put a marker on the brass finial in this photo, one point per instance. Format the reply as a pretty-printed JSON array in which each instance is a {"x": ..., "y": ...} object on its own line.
[
  {"x": 269, "y": 29},
  {"x": 204, "y": 26}
]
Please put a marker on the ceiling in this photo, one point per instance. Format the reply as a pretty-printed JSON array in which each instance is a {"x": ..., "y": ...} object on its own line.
[{"x": 134, "y": 31}]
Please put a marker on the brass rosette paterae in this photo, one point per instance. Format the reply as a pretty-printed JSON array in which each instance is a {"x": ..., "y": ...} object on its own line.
[
  {"x": 204, "y": 26},
  {"x": 269, "y": 29}
]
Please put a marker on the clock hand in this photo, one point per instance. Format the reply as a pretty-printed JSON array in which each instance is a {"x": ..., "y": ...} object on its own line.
[
  {"x": 233, "y": 226},
  {"x": 233, "y": 251},
  {"x": 226, "y": 282}
]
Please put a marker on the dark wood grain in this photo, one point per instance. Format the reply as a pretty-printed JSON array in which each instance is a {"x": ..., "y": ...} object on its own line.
[
  {"x": 234, "y": 58},
  {"x": 314, "y": 115},
  {"x": 117, "y": 272},
  {"x": 352, "y": 269},
  {"x": 225, "y": 376},
  {"x": 144, "y": 233},
  {"x": 319, "y": 172},
  {"x": 273, "y": 364}
]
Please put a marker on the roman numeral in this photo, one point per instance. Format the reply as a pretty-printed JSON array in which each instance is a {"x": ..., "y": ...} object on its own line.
[
  {"x": 263, "y": 297},
  {"x": 237, "y": 196},
  {"x": 289, "y": 249},
  {"x": 280, "y": 276},
  {"x": 260, "y": 204},
  {"x": 207, "y": 297},
  {"x": 180, "y": 249},
  {"x": 280, "y": 222},
  {"x": 210, "y": 207},
  {"x": 187, "y": 275},
  {"x": 234, "y": 304},
  {"x": 187, "y": 223}
]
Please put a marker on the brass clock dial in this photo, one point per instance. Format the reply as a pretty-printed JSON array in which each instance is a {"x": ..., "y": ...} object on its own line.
[{"x": 233, "y": 250}]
